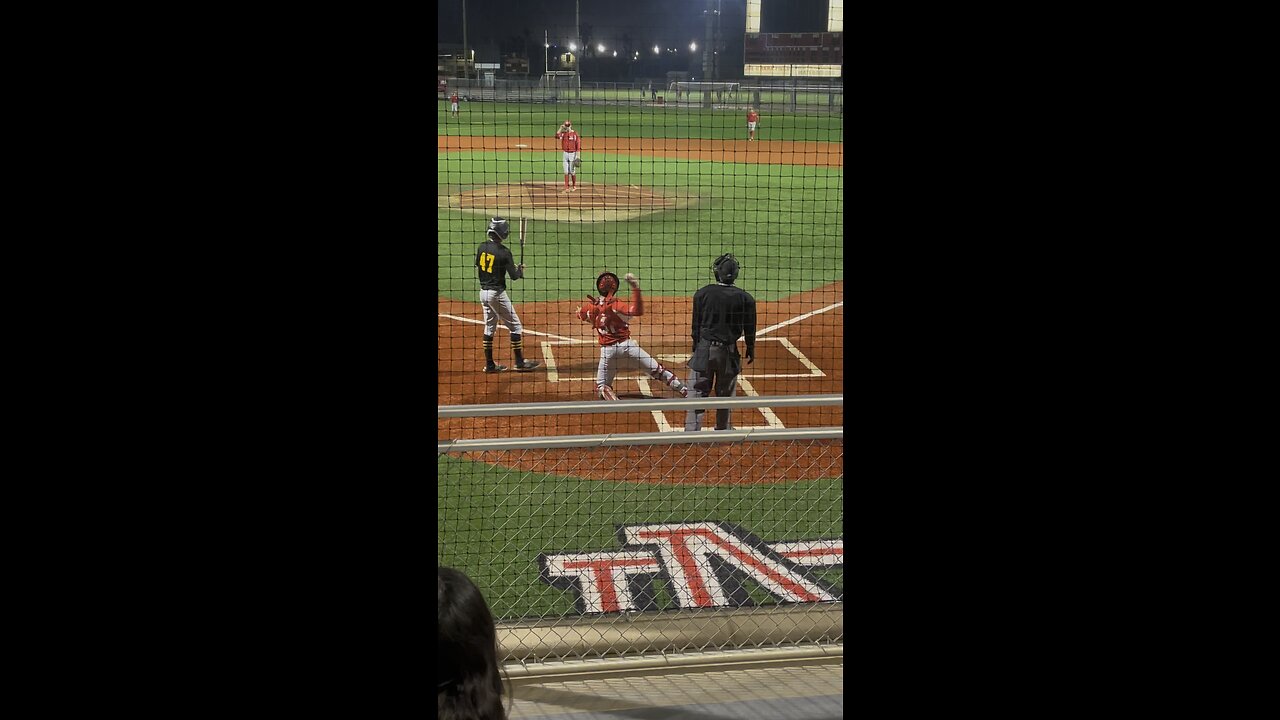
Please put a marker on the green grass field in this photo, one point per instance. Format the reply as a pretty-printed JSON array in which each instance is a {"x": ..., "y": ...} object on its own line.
[
  {"x": 493, "y": 525},
  {"x": 783, "y": 222}
]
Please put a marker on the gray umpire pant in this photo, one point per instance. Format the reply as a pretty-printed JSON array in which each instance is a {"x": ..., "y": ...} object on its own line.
[{"x": 713, "y": 367}]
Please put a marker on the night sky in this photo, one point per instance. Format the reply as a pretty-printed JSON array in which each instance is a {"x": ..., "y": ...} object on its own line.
[
  {"x": 672, "y": 21},
  {"x": 667, "y": 23}
]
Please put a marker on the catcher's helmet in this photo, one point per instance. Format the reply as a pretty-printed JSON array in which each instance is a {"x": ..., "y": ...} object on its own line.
[
  {"x": 725, "y": 268},
  {"x": 499, "y": 228},
  {"x": 607, "y": 283}
]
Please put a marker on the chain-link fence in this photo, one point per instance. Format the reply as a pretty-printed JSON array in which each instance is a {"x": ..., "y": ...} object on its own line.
[
  {"x": 596, "y": 546},
  {"x": 773, "y": 95}
]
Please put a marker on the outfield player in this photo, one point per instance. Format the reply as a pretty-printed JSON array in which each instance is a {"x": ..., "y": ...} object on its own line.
[
  {"x": 494, "y": 263},
  {"x": 453, "y": 103},
  {"x": 611, "y": 318},
  {"x": 570, "y": 143},
  {"x": 753, "y": 117}
]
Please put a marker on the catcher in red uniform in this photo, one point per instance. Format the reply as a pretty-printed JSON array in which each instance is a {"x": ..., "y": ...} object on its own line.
[{"x": 611, "y": 318}]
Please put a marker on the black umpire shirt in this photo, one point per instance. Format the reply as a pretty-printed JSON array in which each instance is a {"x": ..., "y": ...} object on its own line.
[
  {"x": 495, "y": 262},
  {"x": 722, "y": 314}
]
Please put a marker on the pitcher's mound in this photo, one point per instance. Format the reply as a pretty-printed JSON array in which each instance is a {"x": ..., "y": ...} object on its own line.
[{"x": 591, "y": 202}]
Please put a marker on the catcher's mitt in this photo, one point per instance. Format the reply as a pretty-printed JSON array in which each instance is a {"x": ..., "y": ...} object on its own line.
[{"x": 577, "y": 162}]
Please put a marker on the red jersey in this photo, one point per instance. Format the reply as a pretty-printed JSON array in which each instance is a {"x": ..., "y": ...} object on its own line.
[
  {"x": 611, "y": 317},
  {"x": 753, "y": 116},
  {"x": 569, "y": 140},
  {"x": 453, "y": 98}
]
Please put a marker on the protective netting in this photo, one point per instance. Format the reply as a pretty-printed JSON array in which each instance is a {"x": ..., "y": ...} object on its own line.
[
  {"x": 585, "y": 536},
  {"x": 672, "y": 176},
  {"x": 684, "y": 158}
]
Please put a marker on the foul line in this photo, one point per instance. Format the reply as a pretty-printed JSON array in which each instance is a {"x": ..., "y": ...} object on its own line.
[
  {"x": 526, "y": 331},
  {"x": 797, "y": 319}
]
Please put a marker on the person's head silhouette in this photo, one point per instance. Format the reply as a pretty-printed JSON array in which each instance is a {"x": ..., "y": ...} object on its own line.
[{"x": 469, "y": 680}]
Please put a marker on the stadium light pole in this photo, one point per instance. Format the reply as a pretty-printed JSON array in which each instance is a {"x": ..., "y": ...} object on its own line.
[
  {"x": 707, "y": 73},
  {"x": 577, "y": 30},
  {"x": 465, "y": 74}
]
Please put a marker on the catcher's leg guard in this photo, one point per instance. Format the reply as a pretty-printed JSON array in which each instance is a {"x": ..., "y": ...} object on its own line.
[
  {"x": 605, "y": 392},
  {"x": 663, "y": 375}
]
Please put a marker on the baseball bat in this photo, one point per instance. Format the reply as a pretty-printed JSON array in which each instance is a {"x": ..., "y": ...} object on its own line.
[{"x": 522, "y": 227}]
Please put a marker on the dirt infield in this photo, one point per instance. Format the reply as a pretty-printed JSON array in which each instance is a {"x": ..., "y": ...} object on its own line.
[
  {"x": 799, "y": 349},
  {"x": 767, "y": 152},
  {"x": 803, "y": 357},
  {"x": 590, "y": 202}
]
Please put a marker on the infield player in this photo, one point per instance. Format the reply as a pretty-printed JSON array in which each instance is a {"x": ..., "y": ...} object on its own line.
[
  {"x": 453, "y": 103},
  {"x": 753, "y": 117},
  {"x": 494, "y": 263},
  {"x": 611, "y": 318},
  {"x": 570, "y": 144}
]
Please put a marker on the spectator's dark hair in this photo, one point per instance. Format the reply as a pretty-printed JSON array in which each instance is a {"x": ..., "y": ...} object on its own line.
[{"x": 469, "y": 680}]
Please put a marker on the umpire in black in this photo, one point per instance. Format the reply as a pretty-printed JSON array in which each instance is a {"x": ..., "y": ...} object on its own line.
[{"x": 722, "y": 313}]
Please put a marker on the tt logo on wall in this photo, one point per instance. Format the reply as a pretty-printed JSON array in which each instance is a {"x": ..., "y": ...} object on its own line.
[{"x": 702, "y": 564}]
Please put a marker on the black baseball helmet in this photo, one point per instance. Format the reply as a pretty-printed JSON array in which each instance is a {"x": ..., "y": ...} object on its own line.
[
  {"x": 499, "y": 228},
  {"x": 607, "y": 284},
  {"x": 725, "y": 268}
]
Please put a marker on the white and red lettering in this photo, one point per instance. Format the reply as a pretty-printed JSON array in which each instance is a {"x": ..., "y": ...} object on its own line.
[
  {"x": 603, "y": 579},
  {"x": 812, "y": 553},
  {"x": 686, "y": 551},
  {"x": 688, "y": 555}
]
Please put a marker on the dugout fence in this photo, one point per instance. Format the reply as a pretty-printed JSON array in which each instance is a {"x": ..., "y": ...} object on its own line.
[{"x": 633, "y": 551}]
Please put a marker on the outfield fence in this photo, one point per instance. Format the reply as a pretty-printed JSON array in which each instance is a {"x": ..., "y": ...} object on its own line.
[
  {"x": 649, "y": 549},
  {"x": 787, "y": 96}
]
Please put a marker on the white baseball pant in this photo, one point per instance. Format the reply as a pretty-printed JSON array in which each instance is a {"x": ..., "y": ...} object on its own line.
[
  {"x": 497, "y": 305},
  {"x": 611, "y": 357},
  {"x": 569, "y": 169}
]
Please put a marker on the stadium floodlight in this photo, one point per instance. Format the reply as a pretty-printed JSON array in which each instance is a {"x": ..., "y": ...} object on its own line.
[
  {"x": 655, "y": 49},
  {"x": 573, "y": 46},
  {"x": 615, "y": 53},
  {"x": 693, "y": 46},
  {"x": 599, "y": 48}
]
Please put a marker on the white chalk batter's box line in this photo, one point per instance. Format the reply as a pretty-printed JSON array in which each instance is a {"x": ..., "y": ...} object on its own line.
[
  {"x": 708, "y": 421},
  {"x": 553, "y": 374},
  {"x": 709, "y": 417}
]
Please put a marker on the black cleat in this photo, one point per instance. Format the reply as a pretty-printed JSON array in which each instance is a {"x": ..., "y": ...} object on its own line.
[
  {"x": 494, "y": 368},
  {"x": 527, "y": 365}
]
